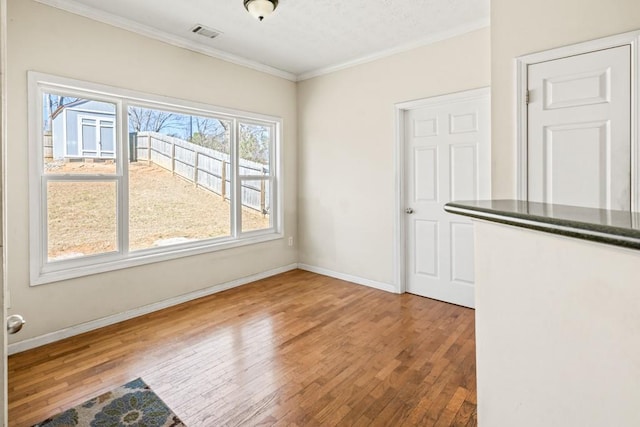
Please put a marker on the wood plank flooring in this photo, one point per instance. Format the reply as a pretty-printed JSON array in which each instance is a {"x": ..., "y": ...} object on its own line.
[{"x": 297, "y": 349}]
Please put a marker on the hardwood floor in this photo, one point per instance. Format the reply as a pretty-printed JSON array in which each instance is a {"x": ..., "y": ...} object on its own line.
[{"x": 295, "y": 349}]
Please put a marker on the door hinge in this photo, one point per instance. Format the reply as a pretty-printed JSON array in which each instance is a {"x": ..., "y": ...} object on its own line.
[{"x": 526, "y": 98}]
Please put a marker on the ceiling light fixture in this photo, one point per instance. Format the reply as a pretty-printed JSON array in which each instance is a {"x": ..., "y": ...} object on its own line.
[{"x": 260, "y": 8}]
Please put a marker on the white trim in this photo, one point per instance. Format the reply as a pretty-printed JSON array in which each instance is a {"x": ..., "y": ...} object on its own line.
[
  {"x": 522, "y": 190},
  {"x": 122, "y": 166},
  {"x": 349, "y": 278},
  {"x": 399, "y": 263},
  {"x": 448, "y": 98},
  {"x": 3, "y": 217},
  {"x": 399, "y": 226},
  {"x": 38, "y": 234},
  {"x": 236, "y": 188},
  {"x": 112, "y": 261},
  {"x": 163, "y": 36},
  {"x": 444, "y": 35},
  {"x": 136, "y": 312},
  {"x": 521, "y": 83},
  {"x": 277, "y": 190}
]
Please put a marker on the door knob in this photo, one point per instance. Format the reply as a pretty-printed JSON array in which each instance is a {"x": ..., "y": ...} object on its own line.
[
  {"x": 15, "y": 323},
  {"x": 408, "y": 211}
]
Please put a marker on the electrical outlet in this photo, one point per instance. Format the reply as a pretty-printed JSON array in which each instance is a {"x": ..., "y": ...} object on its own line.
[{"x": 290, "y": 240}]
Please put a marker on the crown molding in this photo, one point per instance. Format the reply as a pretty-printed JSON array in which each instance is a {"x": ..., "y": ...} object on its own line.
[
  {"x": 144, "y": 30},
  {"x": 76, "y": 8},
  {"x": 443, "y": 35}
]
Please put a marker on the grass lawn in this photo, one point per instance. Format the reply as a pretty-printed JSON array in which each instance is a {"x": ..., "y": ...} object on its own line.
[{"x": 162, "y": 208}]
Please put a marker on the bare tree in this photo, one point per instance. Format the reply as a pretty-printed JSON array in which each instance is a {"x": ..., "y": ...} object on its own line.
[
  {"x": 145, "y": 119},
  {"x": 54, "y": 105},
  {"x": 254, "y": 143},
  {"x": 210, "y": 133}
]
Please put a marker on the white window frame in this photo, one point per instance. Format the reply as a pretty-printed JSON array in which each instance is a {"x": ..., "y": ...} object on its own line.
[
  {"x": 42, "y": 271},
  {"x": 269, "y": 179}
]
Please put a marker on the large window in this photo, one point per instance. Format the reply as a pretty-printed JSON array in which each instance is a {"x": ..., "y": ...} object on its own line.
[{"x": 121, "y": 178}]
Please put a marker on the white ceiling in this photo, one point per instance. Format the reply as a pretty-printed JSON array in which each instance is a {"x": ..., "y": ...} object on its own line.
[{"x": 301, "y": 38}]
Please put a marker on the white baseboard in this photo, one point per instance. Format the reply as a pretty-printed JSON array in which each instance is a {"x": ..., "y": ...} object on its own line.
[
  {"x": 349, "y": 278},
  {"x": 30, "y": 343},
  {"x": 116, "y": 318}
]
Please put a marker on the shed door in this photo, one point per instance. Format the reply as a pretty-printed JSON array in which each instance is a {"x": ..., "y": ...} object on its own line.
[{"x": 97, "y": 137}]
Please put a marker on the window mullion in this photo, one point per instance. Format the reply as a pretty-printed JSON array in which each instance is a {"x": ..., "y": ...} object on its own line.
[
  {"x": 81, "y": 178},
  {"x": 236, "y": 206},
  {"x": 254, "y": 177},
  {"x": 44, "y": 232},
  {"x": 122, "y": 149}
]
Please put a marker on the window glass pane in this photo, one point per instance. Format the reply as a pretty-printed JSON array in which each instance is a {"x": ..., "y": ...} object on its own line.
[
  {"x": 78, "y": 135},
  {"x": 254, "y": 144},
  {"x": 256, "y": 204},
  {"x": 89, "y": 138},
  {"x": 107, "y": 138},
  {"x": 179, "y": 178},
  {"x": 81, "y": 219}
]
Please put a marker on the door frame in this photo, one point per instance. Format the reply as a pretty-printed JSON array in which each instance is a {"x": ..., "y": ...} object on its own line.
[
  {"x": 400, "y": 218},
  {"x": 3, "y": 208},
  {"x": 521, "y": 70}
]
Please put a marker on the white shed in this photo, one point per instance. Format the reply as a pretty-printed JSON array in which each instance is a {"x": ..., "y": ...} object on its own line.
[{"x": 84, "y": 129}]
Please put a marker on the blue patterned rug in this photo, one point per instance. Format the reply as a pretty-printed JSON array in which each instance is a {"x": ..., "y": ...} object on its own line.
[{"x": 133, "y": 404}]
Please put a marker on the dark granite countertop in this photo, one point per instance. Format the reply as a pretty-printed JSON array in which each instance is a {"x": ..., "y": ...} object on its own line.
[{"x": 618, "y": 228}]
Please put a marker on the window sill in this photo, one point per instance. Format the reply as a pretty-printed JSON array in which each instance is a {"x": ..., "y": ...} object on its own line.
[{"x": 150, "y": 256}]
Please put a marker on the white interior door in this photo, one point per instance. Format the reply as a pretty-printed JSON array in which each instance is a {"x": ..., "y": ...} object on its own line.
[
  {"x": 579, "y": 130},
  {"x": 447, "y": 157}
]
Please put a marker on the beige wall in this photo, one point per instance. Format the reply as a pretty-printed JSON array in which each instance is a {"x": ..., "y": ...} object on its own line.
[
  {"x": 48, "y": 40},
  {"x": 346, "y": 155},
  {"x": 519, "y": 27}
]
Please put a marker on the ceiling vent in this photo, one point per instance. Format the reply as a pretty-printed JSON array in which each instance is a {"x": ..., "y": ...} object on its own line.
[{"x": 203, "y": 31}]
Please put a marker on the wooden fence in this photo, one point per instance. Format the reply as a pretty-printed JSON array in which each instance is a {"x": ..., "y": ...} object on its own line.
[
  {"x": 206, "y": 168},
  {"x": 47, "y": 142}
]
